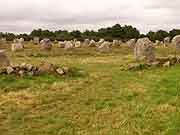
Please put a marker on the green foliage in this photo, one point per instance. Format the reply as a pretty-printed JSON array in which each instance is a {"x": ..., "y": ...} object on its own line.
[
  {"x": 159, "y": 35},
  {"x": 117, "y": 31}
]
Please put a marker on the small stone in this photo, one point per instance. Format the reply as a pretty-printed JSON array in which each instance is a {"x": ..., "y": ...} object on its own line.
[
  {"x": 60, "y": 71},
  {"x": 29, "y": 67},
  {"x": 9, "y": 70},
  {"x": 23, "y": 65},
  {"x": 167, "y": 64},
  {"x": 46, "y": 68},
  {"x": 21, "y": 73}
]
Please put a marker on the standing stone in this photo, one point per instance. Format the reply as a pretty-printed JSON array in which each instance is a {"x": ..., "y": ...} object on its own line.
[
  {"x": 86, "y": 43},
  {"x": 17, "y": 47},
  {"x": 104, "y": 47},
  {"x": 46, "y": 44},
  {"x": 120, "y": 42},
  {"x": 101, "y": 41},
  {"x": 4, "y": 60},
  {"x": 61, "y": 44},
  {"x": 92, "y": 43},
  {"x": 176, "y": 42},
  {"x": 36, "y": 40},
  {"x": 144, "y": 49},
  {"x": 68, "y": 45},
  {"x": 77, "y": 44},
  {"x": 166, "y": 41},
  {"x": 157, "y": 43},
  {"x": 21, "y": 40},
  {"x": 115, "y": 43},
  {"x": 131, "y": 43}
]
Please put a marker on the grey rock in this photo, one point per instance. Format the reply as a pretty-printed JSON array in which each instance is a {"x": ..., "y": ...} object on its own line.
[{"x": 144, "y": 50}]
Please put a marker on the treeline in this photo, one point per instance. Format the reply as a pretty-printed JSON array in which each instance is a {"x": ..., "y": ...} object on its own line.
[{"x": 117, "y": 31}]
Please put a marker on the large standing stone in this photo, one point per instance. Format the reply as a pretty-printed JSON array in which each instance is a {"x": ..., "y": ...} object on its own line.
[
  {"x": 131, "y": 43},
  {"x": 61, "y": 44},
  {"x": 68, "y": 45},
  {"x": 176, "y": 42},
  {"x": 120, "y": 42},
  {"x": 104, "y": 47},
  {"x": 46, "y": 44},
  {"x": 101, "y": 41},
  {"x": 77, "y": 44},
  {"x": 167, "y": 41},
  {"x": 36, "y": 40},
  {"x": 21, "y": 40},
  {"x": 144, "y": 49},
  {"x": 86, "y": 43},
  {"x": 92, "y": 43},
  {"x": 4, "y": 60},
  {"x": 115, "y": 43},
  {"x": 157, "y": 43}
]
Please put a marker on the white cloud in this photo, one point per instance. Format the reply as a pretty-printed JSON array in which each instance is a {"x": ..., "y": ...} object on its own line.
[{"x": 26, "y": 15}]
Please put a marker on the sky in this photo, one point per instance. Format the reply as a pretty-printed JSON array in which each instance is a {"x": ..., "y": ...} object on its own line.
[{"x": 20, "y": 16}]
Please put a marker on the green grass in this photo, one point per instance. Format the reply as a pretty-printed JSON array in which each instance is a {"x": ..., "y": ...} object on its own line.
[{"x": 98, "y": 98}]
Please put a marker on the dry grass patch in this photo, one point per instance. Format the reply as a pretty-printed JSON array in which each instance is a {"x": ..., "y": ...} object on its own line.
[{"x": 21, "y": 99}]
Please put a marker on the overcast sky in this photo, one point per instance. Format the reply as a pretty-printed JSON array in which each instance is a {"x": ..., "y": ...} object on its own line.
[{"x": 25, "y": 15}]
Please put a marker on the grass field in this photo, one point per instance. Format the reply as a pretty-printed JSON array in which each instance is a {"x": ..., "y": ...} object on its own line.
[{"x": 98, "y": 99}]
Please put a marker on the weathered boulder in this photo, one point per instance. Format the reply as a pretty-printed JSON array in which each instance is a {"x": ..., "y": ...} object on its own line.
[
  {"x": 61, "y": 44},
  {"x": 46, "y": 44},
  {"x": 144, "y": 50},
  {"x": 131, "y": 43},
  {"x": 120, "y": 42},
  {"x": 104, "y": 47},
  {"x": 115, "y": 43},
  {"x": 100, "y": 42},
  {"x": 68, "y": 45},
  {"x": 157, "y": 43},
  {"x": 92, "y": 43},
  {"x": 36, "y": 40},
  {"x": 86, "y": 43},
  {"x": 176, "y": 42},
  {"x": 60, "y": 71},
  {"x": 21, "y": 40},
  {"x": 77, "y": 44},
  {"x": 9, "y": 70},
  {"x": 167, "y": 41},
  {"x": 167, "y": 64}
]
